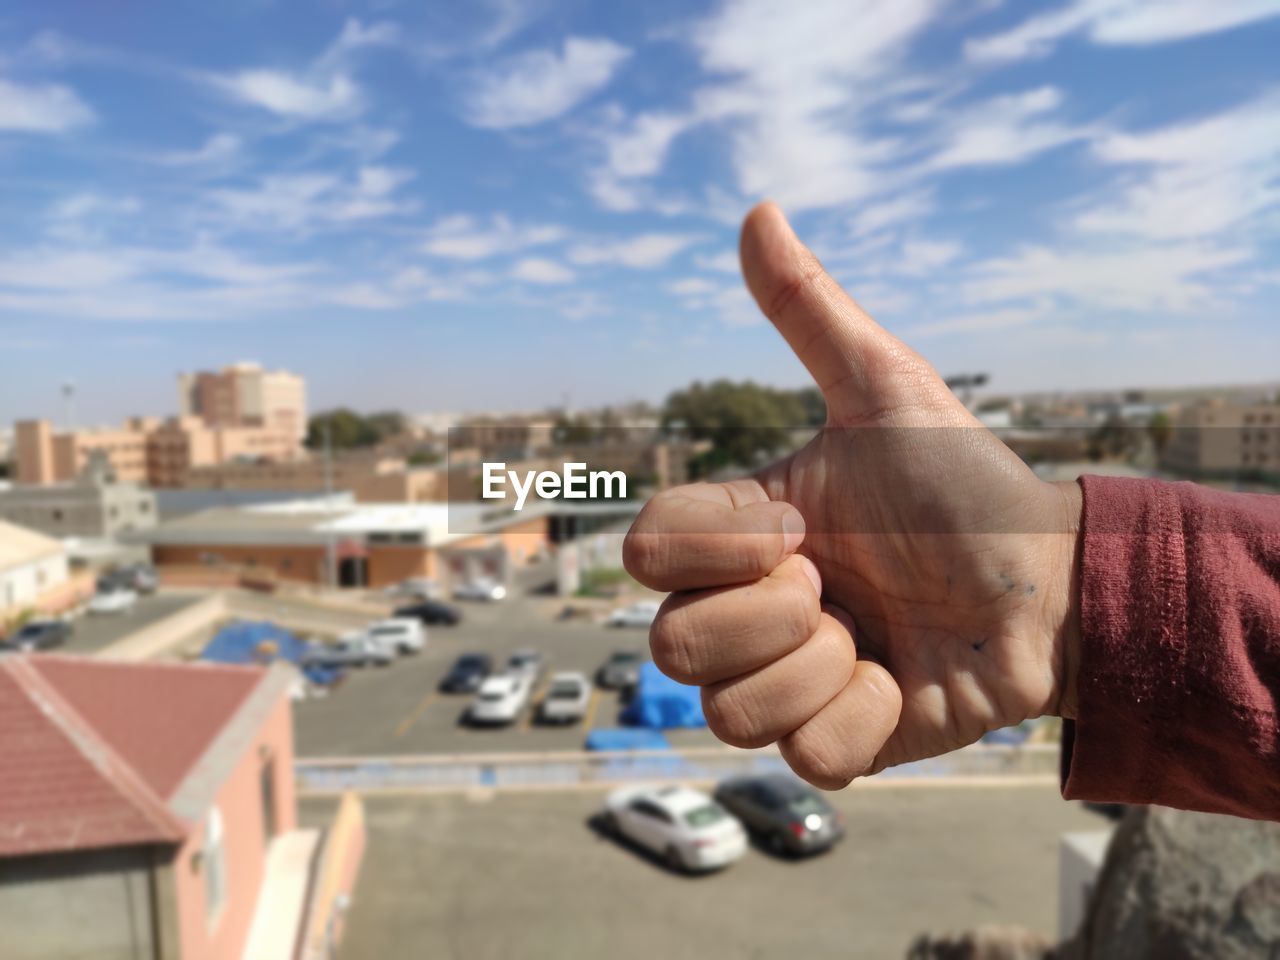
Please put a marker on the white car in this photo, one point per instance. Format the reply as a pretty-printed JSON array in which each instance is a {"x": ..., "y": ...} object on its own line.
[
  {"x": 399, "y": 634},
  {"x": 484, "y": 589},
  {"x": 567, "y": 698},
  {"x": 525, "y": 663},
  {"x": 500, "y": 699},
  {"x": 639, "y": 614},
  {"x": 353, "y": 650},
  {"x": 685, "y": 827},
  {"x": 113, "y": 601}
]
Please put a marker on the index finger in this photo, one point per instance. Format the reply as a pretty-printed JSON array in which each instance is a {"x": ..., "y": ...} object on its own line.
[{"x": 710, "y": 535}]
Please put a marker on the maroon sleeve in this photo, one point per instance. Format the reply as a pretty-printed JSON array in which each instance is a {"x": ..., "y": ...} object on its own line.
[{"x": 1179, "y": 671}]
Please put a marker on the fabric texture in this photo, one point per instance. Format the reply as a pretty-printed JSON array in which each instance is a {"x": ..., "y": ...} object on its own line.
[{"x": 1179, "y": 666}]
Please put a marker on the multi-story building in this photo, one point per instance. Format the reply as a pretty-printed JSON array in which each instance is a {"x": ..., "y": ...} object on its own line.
[
  {"x": 1224, "y": 440},
  {"x": 144, "y": 450},
  {"x": 246, "y": 395}
]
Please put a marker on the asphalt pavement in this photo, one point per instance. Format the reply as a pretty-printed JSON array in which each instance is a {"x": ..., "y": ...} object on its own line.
[
  {"x": 93, "y": 631},
  {"x": 399, "y": 710},
  {"x": 529, "y": 875}
]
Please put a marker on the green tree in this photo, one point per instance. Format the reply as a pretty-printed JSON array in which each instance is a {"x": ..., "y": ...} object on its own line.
[
  {"x": 351, "y": 430},
  {"x": 745, "y": 422},
  {"x": 1160, "y": 427}
]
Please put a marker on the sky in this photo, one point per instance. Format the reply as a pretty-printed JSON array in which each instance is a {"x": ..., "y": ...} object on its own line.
[{"x": 516, "y": 203}]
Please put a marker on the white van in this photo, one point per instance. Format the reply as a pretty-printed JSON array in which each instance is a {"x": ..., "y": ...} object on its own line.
[{"x": 398, "y": 635}]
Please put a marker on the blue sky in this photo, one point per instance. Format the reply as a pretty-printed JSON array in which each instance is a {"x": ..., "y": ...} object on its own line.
[{"x": 506, "y": 204}]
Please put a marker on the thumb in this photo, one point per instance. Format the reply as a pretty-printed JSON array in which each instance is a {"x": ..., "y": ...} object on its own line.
[{"x": 860, "y": 367}]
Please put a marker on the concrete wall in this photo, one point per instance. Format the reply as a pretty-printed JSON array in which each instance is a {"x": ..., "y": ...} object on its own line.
[
  {"x": 79, "y": 510},
  {"x": 239, "y": 801},
  {"x": 335, "y": 880},
  {"x": 24, "y": 586},
  {"x": 90, "y": 905}
]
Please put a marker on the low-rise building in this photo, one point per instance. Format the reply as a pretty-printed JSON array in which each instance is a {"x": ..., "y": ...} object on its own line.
[
  {"x": 371, "y": 545},
  {"x": 34, "y": 573},
  {"x": 148, "y": 813},
  {"x": 94, "y": 506}
]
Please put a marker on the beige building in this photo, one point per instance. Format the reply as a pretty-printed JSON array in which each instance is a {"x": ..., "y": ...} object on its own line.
[
  {"x": 33, "y": 568},
  {"x": 370, "y": 478},
  {"x": 143, "y": 450},
  {"x": 1224, "y": 439},
  {"x": 246, "y": 395}
]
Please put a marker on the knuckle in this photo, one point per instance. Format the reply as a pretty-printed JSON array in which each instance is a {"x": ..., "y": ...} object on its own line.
[
  {"x": 733, "y": 716},
  {"x": 644, "y": 556},
  {"x": 672, "y": 642},
  {"x": 820, "y": 762}
]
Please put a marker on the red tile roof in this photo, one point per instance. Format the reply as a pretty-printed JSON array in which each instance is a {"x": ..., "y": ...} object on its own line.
[{"x": 91, "y": 750}]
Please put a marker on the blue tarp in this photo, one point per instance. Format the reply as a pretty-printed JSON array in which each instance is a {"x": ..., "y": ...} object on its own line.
[
  {"x": 262, "y": 642},
  {"x": 621, "y": 738},
  {"x": 660, "y": 703}
]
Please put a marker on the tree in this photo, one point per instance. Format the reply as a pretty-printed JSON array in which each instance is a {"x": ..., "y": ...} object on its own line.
[
  {"x": 745, "y": 422},
  {"x": 1161, "y": 430},
  {"x": 350, "y": 430}
]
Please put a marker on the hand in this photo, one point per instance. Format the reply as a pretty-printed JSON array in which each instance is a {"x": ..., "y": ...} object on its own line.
[{"x": 893, "y": 590}]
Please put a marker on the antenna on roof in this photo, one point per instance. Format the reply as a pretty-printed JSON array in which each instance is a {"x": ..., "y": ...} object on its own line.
[{"x": 69, "y": 405}]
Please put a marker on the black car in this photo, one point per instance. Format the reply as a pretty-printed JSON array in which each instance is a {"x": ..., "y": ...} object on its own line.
[
  {"x": 39, "y": 635},
  {"x": 467, "y": 673},
  {"x": 788, "y": 815},
  {"x": 431, "y": 612}
]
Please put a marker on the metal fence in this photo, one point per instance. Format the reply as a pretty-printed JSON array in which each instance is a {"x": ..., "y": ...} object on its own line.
[{"x": 558, "y": 771}]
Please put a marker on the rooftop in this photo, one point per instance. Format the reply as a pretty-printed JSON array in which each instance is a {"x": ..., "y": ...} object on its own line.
[
  {"x": 20, "y": 546},
  {"x": 100, "y": 754}
]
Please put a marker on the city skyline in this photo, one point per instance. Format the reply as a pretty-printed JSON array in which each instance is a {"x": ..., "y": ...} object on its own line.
[{"x": 422, "y": 209}]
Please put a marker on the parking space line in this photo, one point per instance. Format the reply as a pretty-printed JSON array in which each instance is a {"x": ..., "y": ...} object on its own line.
[
  {"x": 407, "y": 723},
  {"x": 526, "y": 718},
  {"x": 592, "y": 706}
]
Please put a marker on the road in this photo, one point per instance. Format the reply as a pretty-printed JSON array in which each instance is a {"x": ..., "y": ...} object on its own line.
[
  {"x": 397, "y": 709},
  {"x": 528, "y": 875}
]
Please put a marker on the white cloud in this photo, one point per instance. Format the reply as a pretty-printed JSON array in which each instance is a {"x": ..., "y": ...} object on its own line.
[
  {"x": 1195, "y": 179},
  {"x": 641, "y": 149},
  {"x": 904, "y": 208},
  {"x": 540, "y": 85},
  {"x": 644, "y": 251},
  {"x": 218, "y": 149},
  {"x": 800, "y": 80},
  {"x": 981, "y": 322},
  {"x": 1003, "y": 131},
  {"x": 1170, "y": 277},
  {"x": 919, "y": 257},
  {"x": 292, "y": 96},
  {"x": 323, "y": 91},
  {"x": 541, "y": 270},
  {"x": 41, "y": 108},
  {"x": 1127, "y": 22},
  {"x": 462, "y": 237},
  {"x": 302, "y": 200},
  {"x": 724, "y": 262},
  {"x": 692, "y": 287}
]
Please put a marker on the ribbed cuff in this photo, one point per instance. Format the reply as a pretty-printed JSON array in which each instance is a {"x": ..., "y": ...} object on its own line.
[{"x": 1133, "y": 642}]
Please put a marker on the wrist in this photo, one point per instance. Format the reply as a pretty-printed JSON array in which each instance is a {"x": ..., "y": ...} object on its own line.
[{"x": 1063, "y": 615}]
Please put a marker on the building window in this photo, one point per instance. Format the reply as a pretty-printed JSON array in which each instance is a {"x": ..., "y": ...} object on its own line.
[{"x": 215, "y": 867}]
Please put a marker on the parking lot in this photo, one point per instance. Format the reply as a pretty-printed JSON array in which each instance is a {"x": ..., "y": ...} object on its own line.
[
  {"x": 92, "y": 631},
  {"x": 399, "y": 710},
  {"x": 528, "y": 874}
]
